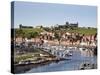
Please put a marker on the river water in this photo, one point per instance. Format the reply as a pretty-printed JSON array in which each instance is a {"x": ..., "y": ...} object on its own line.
[{"x": 77, "y": 59}]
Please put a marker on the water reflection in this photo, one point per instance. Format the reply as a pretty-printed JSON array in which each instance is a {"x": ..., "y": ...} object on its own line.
[
  {"x": 81, "y": 59},
  {"x": 87, "y": 53}
]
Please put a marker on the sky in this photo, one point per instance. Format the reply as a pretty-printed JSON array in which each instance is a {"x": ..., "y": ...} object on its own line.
[{"x": 50, "y": 14}]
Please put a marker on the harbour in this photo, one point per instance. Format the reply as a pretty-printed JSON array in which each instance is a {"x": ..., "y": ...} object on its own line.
[{"x": 61, "y": 59}]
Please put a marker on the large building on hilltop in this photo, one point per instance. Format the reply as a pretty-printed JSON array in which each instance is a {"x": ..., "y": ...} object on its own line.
[{"x": 67, "y": 24}]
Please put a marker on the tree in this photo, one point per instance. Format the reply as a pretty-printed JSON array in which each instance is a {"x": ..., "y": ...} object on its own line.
[
  {"x": 23, "y": 35},
  {"x": 20, "y": 33},
  {"x": 58, "y": 37},
  {"x": 32, "y": 35}
]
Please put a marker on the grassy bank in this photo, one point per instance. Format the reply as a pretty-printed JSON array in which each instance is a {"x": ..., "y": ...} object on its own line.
[
  {"x": 34, "y": 56},
  {"x": 86, "y": 31}
]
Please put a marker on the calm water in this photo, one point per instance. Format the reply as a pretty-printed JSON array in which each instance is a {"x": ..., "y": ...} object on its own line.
[{"x": 76, "y": 60}]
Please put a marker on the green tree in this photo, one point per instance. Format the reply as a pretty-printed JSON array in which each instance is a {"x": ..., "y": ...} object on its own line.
[
  {"x": 20, "y": 33},
  {"x": 32, "y": 35},
  {"x": 58, "y": 37}
]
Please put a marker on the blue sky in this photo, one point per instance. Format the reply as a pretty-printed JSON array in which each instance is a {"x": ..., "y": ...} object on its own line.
[{"x": 47, "y": 14}]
